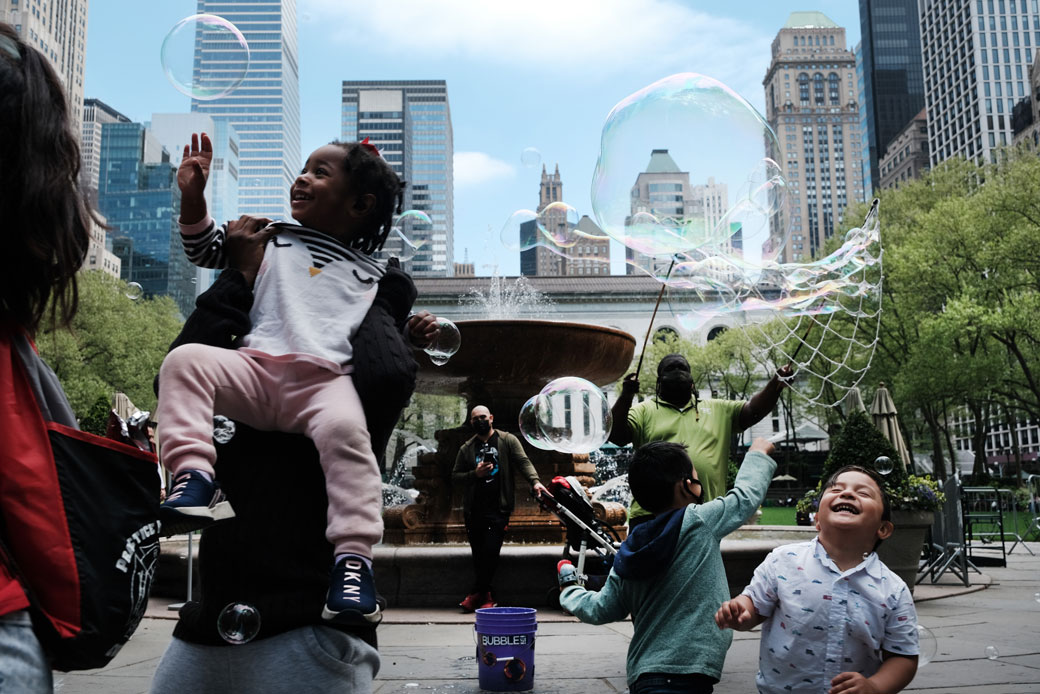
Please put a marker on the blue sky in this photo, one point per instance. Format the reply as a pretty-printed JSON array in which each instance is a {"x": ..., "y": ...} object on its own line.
[{"x": 536, "y": 73}]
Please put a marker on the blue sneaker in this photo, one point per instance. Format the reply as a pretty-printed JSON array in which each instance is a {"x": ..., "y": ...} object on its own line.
[
  {"x": 352, "y": 594},
  {"x": 193, "y": 503}
]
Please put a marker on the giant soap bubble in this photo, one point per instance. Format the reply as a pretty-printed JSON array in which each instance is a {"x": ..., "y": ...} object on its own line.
[
  {"x": 687, "y": 164},
  {"x": 571, "y": 415},
  {"x": 205, "y": 56}
]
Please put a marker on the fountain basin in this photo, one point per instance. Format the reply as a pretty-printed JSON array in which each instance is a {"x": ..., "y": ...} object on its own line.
[{"x": 515, "y": 358}]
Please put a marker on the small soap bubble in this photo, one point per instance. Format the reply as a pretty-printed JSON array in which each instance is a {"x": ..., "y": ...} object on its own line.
[
  {"x": 238, "y": 623},
  {"x": 134, "y": 291},
  {"x": 530, "y": 157},
  {"x": 1036, "y": 597},
  {"x": 927, "y": 645},
  {"x": 883, "y": 465},
  {"x": 223, "y": 429},
  {"x": 213, "y": 35},
  {"x": 446, "y": 344},
  {"x": 992, "y": 653}
]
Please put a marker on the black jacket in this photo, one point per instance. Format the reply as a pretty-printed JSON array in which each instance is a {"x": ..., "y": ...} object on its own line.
[{"x": 279, "y": 561}]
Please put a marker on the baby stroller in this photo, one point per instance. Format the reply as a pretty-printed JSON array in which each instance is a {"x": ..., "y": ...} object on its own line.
[{"x": 569, "y": 502}]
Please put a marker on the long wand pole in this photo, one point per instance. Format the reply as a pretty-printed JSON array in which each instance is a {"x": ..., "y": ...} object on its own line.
[{"x": 660, "y": 295}]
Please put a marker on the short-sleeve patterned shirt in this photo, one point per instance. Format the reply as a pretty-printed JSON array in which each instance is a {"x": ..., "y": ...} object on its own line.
[{"x": 823, "y": 621}]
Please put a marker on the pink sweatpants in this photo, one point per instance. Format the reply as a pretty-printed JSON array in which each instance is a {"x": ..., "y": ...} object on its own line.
[{"x": 198, "y": 381}]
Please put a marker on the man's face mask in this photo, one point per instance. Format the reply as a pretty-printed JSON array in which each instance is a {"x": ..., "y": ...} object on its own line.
[
  {"x": 675, "y": 385},
  {"x": 482, "y": 426}
]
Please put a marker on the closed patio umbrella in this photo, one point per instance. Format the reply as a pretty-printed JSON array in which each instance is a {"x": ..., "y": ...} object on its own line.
[
  {"x": 883, "y": 413},
  {"x": 854, "y": 401}
]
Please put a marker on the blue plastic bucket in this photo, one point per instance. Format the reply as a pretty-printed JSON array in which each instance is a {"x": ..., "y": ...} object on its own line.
[{"x": 505, "y": 648}]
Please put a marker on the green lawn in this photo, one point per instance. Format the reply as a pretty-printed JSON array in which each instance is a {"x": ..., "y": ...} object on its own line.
[{"x": 777, "y": 515}]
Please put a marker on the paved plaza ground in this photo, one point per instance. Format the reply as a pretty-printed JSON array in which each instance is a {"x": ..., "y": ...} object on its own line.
[{"x": 432, "y": 650}]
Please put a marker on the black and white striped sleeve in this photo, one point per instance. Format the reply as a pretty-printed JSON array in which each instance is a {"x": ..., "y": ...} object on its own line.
[{"x": 204, "y": 243}]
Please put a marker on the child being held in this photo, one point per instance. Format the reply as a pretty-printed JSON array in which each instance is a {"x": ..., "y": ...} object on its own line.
[
  {"x": 668, "y": 573},
  {"x": 837, "y": 620},
  {"x": 312, "y": 286}
]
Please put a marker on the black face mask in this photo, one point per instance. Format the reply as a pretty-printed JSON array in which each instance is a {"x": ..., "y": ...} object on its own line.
[
  {"x": 482, "y": 426},
  {"x": 675, "y": 386},
  {"x": 697, "y": 498}
]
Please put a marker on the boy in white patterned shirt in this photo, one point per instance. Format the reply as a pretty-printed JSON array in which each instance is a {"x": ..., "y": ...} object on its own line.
[{"x": 837, "y": 620}]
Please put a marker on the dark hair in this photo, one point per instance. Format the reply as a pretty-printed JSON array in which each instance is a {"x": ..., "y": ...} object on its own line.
[
  {"x": 371, "y": 174},
  {"x": 46, "y": 220},
  {"x": 653, "y": 472},
  {"x": 886, "y": 506}
]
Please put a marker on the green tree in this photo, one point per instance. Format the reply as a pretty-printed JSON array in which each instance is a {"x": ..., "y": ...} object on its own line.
[{"x": 114, "y": 344}]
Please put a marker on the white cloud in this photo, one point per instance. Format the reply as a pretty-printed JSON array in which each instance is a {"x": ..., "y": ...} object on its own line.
[
  {"x": 586, "y": 40},
  {"x": 475, "y": 168}
]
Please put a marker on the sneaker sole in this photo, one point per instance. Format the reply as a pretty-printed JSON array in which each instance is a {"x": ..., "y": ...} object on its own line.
[
  {"x": 178, "y": 521},
  {"x": 351, "y": 617}
]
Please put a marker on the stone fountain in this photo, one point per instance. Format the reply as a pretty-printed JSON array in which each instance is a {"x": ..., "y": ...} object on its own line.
[{"x": 501, "y": 364}]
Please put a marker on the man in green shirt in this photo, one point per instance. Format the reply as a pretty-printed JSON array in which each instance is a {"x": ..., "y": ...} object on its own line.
[{"x": 675, "y": 414}]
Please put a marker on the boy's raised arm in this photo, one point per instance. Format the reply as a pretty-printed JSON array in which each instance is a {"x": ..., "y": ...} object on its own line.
[
  {"x": 729, "y": 512},
  {"x": 594, "y": 607}
]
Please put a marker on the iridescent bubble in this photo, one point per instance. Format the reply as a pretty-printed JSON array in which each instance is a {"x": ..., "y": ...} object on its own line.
[
  {"x": 410, "y": 231},
  {"x": 529, "y": 424},
  {"x": 558, "y": 223},
  {"x": 134, "y": 291},
  {"x": 520, "y": 232},
  {"x": 446, "y": 344},
  {"x": 992, "y": 652},
  {"x": 883, "y": 464},
  {"x": 573, "y": 415},
  {"x": 696, "y": 156},
  {"x": 223, "y": 429},
  {"x": 206, "y": 80},
  {"x": 927, "y": 644},
  {"x": 530, "y": 157},
  {"x": 238, "y": 623}
]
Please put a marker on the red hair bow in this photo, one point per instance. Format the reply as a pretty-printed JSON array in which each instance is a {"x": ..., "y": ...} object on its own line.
[{"x": 370, "y": 147}]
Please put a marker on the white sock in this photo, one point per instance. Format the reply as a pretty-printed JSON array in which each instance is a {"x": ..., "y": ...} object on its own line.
[{"x": 366, "y": 560}]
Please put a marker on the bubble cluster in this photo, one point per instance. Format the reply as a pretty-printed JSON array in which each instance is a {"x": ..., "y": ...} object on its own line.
[
  {"x": 200, "y": 35},
  {"x": 238, "y": 623},
  {"x": 570, "y": 415},
  {"x": 446, "y": 344},
  {"x": 223, "y": 429}
]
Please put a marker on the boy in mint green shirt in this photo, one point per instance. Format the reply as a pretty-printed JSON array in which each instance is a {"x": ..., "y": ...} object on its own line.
[{"x": 668, "y": 574}]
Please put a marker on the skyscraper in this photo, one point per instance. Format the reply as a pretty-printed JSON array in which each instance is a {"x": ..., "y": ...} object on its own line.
[
  {"x": 811, "y": 106},
  {"x": 977, "y": 55},
  {"x": 410, "y": 122},
  {"x": 893, "y": 79},
  {"x": 95, "y": 114},
  {"x": 58, "y": 29},
  {"x": 864, "y": 132},
  {"x": 265, "y": 108},
  {"x": 663, "y": 191},
  {"x": 138, "y": 195}
]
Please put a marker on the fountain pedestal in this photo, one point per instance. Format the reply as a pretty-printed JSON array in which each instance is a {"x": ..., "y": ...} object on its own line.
[{"x": 501, "y": 364}]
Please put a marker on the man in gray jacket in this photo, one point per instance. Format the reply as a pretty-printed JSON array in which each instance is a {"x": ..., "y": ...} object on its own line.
[{"x": 484, "y": 467}]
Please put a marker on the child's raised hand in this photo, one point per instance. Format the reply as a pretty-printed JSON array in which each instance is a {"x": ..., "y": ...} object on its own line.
[
  {"x": 193, "y": 172},
  {"x": 737, "y": 613},
  {"x": 852, "y": 683},
  {"x": 763, "y": 446}
]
